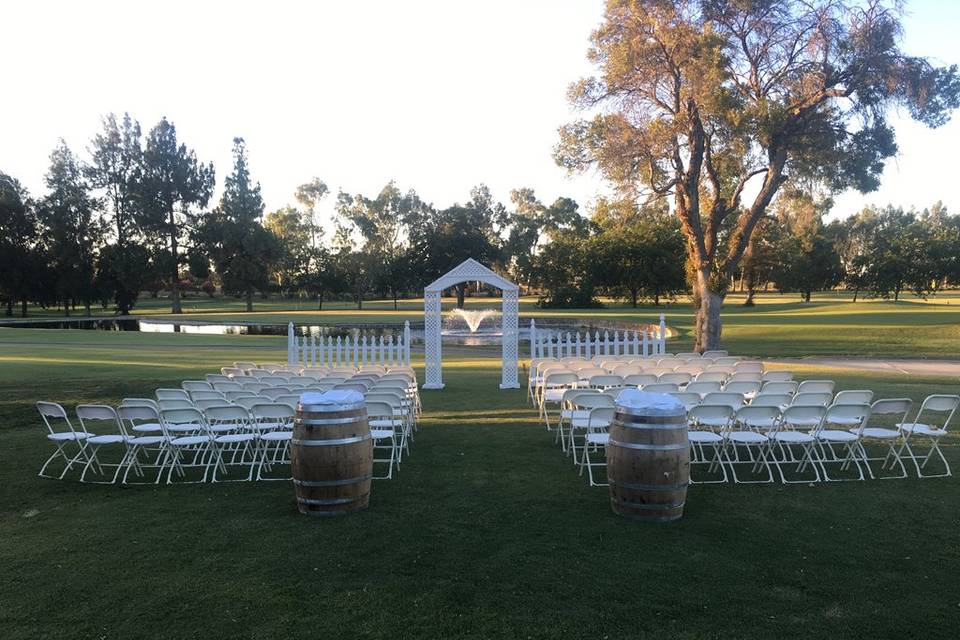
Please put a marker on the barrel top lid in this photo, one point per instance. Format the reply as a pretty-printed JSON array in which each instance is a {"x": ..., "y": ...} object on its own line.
[
  {"x": 334, "y": 397},
  {"x": 657, "y": 404}
]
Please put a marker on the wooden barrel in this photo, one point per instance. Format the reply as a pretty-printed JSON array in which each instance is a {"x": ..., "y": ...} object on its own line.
[
  {"x": 648, "y": 464},
  {"x": 331, "y": 458}
]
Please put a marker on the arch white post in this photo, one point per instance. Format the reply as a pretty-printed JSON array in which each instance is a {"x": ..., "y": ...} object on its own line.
[
  {"x": 511, "y": 353},
  {"x": 431, "y": 340}
]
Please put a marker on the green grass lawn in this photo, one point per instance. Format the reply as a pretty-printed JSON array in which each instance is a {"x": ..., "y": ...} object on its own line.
[{"x": 486, "y": 532}]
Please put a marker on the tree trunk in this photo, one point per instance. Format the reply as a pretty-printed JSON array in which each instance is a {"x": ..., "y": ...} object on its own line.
[
  {"x": 10, "y": 306},
  {"x": 86, "y": 309},
  {"x": 66, "y": 307},
  {"x": 708, "y": 326},
  {"x": 460, "y": 295},
  {"x": 249, "y": 299},
  {"x": 175, "y": 272},
  {"x": 320, "y": 301},
  {"x": 806, "y": 296},
  {"x": 751, "y": 292},
  {"x": 656, "y": 299},
  {"x": 23, "y": 308},
  {"x": 633, "y": 299},
  {"x": 856, "y": 292}
]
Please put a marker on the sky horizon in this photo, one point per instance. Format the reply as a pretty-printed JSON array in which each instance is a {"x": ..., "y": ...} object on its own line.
[{"x": 437, "y": 96}]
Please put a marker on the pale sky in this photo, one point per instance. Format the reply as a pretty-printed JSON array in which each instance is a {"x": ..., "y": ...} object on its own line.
[{"x": 439, "y": 95}]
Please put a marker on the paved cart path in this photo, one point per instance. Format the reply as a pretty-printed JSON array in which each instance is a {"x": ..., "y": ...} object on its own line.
[{"x": 913, "y": 367}]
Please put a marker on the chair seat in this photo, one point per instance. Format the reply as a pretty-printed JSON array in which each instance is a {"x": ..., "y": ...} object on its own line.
[
  {"x": 150, "y": 427},
  {"x": 186, "y": 441},
  {"x": 225, "y": 427},
  {"x": 880, "y": 433},
  {"x": 746, "y": 437},
  {"x": 381, "y": 434},
  {"x": 704, "y": 436},
  {"x": 924, "y": 429},
  {"x": 833, "y": 435},
  {"x": 277, "y": 436},
  {"x": 793, "y": 437},
  {"x": 108, "y": 439},
  {"x": 146, "y": 441},
  {"x": 236, "y": 437},
  {"x": 184, "y": 428},
  {"x": 64, "y": 436},
  {"x": 598, "y": 438}
]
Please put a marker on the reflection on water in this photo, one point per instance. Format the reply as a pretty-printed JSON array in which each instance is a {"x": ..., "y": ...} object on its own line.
[{"x": 561, "y": 325}]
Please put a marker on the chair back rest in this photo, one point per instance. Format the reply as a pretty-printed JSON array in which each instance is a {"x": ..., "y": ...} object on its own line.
[
  {"x": 892, "y": 406},
  {"x": 600, "y": 417},
  {"x": 135, "y": 414},
  {"x": 847, "y": 412},
  {"x": 727, "y": 361},
  {"x": 703, "y": 386},
  {"x": 560, "y": 379},
  {"x": 764, "y": 399},
  {"x": 140, "y": 402},
  {"x": 710, "y": 412},
  {"x": 392, "y": 399},
  {"x": 255, "y": 387},
  {"x": 352, "y": 386},
  {"x": 274, "y": 380},
  {"x": 662, "y": 387},
  {"x": 205, "y": 403},
  {"x": 639, "y": 379},
  {"x": 678, "y": 378},
  {"x": 315, "y": 373},
  {"x": 226, "y": 413},
  {"x": 779, "y": 386},
  {"x": 591, "y": 400},
  {"x": 812, "y": 399},
  {"x": 864, "y": 396},
  {"x": 233, "y": 396},
  {"x": 246, "y": 366},
  {"x": 752, "y": 413},
  {"x": 227, "y": 386},
  {"x": 688, "y": 399},
  {"x": 715, "y": 353},
  {"x": 939, "y": 403},
  {"x": 748, "y": 366},
  {"x": 100, "y": 413},
  {"x": 206, "y": 395},
  {"x": 258, "y": 373},
  {"x": 742, "y": 386},
  {"x": 174, "y": 404},
  {"x": 733, "y": 400},
  {"x": 745, "y": 376},
  {"x": 712, "y": 376},
  {"x": 275, "y": 392},
  {"x": 291, "y": 400},
  {"x": 605, "y": 381},
  {"x": 182, "y": 416},
  {"x": 216, "y": 377},
  {"x": 171, "y": 394},
  {"x": 777, "y": 376},
  {"x": 247, "y": 402},
  {"x": 378, "y": 409},
  {"x": 804, "y": 415},
  {"x": 816, "y": 386},
  {"x": 271, "y": 412},
  {"x": 196, "y": 385}
]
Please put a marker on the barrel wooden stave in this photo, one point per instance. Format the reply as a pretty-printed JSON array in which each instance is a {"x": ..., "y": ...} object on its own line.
[
  {"x": 331, "y": 459},
  {"x": 648, "y": 465}
]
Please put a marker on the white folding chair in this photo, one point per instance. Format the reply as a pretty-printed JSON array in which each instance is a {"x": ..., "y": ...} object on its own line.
[
  {"x": 142, "y": 422},
  {"x": 581, "y": 421},
  {"x": 734, "y": 400},
  {"x": 717, "y": 418},
  {"x": 754, "y": 438},
  {"x": 595, "y": 439},
  {"x": 234, "y": 438},
  {"x": 851, "y": 418},
  {"x": 108, "y": 421},
  {"x": 816, "y": 386},
  {"x": 889, "y": 435},
  {"x": 777, "y": 386},
  {"x": 52, "y": 413},
  {"x": 811, "y": 399},
  {"x": 274, "y": 423},
  {"x": 195, "y": 441},
  {"x": 703, "y": 387},
  {"x": 925, "y": 427},
  {"x": 853, "y": 397},
  {"x": 172, "y": 394},
  {"x": 551, "y": 392},
  {"x": 196, "y": 385},
  {"x": 688, "y": 399},
  {"x": 789, "y": 437},
  {"x": 384, "y": 426},
  {"x": 764, "y": 399}
]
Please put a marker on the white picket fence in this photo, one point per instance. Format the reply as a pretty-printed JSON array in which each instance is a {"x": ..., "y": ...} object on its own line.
[
  {"x": 546, "y": 343},
  {"x": 349, "y": 351}
]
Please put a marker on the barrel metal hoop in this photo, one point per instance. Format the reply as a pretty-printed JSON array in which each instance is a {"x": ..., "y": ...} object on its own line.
[
  {"x": 331, "y": 501},
  {"x": 330, "y": 443},
  {"x": 651, "y": 420},
  {"x": 332, "y": 483},
  {"x": 648, "y": 487},
  {"x": 649, "y": 447},
  {"x": 323, "y": 422},
  {"x": 648, "y": 507}
]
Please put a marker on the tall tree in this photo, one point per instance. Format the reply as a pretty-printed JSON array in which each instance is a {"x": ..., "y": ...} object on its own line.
[
  {"x": 72, "y": 233},
  {"x": 695, "y": 98},
  {"x": 174, "y": 185},
  {"x": 292, "y": 231},
  {"x": 117, "y": 170},
  {"x": 241, "y": 248},
  {"x": 20, "y": 262}
]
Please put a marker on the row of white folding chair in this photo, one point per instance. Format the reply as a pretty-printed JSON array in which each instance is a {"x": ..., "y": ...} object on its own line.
[
  {"x": 166, "y": 435},
  {"x": 820, "y": 431}
]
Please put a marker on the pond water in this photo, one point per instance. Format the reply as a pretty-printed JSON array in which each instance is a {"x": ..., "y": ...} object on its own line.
[{"x": 485, "y": 333}]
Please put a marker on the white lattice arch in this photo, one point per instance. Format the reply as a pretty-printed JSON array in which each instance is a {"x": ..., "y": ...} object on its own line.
[{"x": 470, "y": 271}]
